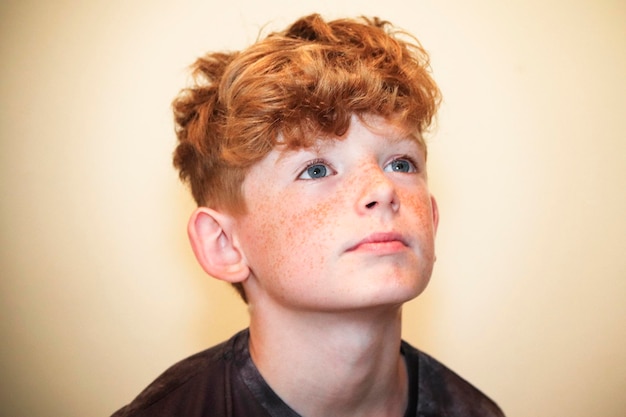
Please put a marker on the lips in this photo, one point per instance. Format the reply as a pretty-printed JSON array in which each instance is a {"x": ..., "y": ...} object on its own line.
[{"x": 380, "y": 242}]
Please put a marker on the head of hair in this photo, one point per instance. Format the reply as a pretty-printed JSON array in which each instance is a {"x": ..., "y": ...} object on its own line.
[{"x": 293, "y": 88}]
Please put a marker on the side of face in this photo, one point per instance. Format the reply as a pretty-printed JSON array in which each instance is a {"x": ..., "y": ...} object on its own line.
[{"x": 349, "y": 224}]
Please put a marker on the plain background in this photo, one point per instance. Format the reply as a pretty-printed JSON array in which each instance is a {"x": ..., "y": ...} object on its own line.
[{"x": 100, "y": 291}]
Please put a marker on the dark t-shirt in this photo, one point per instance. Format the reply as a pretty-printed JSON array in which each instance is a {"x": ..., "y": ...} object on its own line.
[{"x": 224, "y": 382}]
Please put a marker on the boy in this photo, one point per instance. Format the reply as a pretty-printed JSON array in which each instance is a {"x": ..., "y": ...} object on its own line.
[{"x": 305, "y": 155}]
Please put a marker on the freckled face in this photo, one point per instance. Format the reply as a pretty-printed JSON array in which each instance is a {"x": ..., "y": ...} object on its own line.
[{"x": 347, "y": 225}]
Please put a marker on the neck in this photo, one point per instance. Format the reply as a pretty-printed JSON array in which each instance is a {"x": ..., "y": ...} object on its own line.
[{"x": 363, "y": 373}]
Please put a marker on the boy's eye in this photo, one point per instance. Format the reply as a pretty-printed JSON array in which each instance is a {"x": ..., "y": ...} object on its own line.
[
  {"x": 401, "y": 165},
  {"x": 314, "y": 171}
]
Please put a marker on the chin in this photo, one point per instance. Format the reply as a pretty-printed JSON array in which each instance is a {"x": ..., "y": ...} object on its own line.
[{"x": 394, "y": 293}]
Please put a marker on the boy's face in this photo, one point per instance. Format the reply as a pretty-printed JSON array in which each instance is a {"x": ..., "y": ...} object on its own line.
[{"x": 349, "y": 224}]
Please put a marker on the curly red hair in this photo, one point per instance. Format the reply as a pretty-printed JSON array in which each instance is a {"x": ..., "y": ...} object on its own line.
[{"x": 295, "y": 87}]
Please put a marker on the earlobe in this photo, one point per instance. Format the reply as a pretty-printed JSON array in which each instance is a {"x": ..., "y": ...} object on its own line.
[{"x": 210, "y": 234}]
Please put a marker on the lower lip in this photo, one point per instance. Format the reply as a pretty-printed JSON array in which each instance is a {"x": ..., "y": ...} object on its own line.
[{"x": 392, "y": 246}]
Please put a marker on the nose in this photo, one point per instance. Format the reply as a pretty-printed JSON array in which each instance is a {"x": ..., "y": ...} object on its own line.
[{"x": 378, "y": 193}]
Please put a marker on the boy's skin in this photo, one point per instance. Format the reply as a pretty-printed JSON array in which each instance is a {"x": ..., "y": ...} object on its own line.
[
  {"x": 305, "y": 156},
  {"x": 334, "y": 240}
]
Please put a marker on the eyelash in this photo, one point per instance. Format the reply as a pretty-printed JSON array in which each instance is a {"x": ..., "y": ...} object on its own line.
[
  {"x": 315, "y": 162},
  {"x": 409, "y": 159}
]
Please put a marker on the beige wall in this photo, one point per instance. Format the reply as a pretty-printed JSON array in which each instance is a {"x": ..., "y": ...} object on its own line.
[{"x": 99, "y": 289}]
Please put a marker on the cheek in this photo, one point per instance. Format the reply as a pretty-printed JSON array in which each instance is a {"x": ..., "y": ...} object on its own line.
[
  {"x": 418, "y": 203},
  {"x": 420, "y": 213},
  {"x": 289, "y": 235},
  {"x": 420, "y": 206}
]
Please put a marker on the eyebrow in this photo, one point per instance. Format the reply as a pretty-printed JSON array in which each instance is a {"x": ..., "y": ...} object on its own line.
[{"x": 322, "y": 144}]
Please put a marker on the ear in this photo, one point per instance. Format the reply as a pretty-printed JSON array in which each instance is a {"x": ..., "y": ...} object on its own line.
[
  {"x": 210, "y": 234},
  {"x": 435, "y": 211}
]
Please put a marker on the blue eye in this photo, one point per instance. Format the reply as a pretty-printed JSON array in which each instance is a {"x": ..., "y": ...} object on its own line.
[
  {"x": 314, "y": 171},
  {"x": 401, "y": 165}
]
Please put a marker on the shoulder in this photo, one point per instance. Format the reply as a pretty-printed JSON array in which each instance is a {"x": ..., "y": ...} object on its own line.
[
  {"x": 441, "y": 391},
  {"x": 202, "y": 375}
]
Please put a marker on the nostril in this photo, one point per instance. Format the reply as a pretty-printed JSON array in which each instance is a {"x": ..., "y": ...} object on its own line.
[{"x": 370, "y": 205}]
